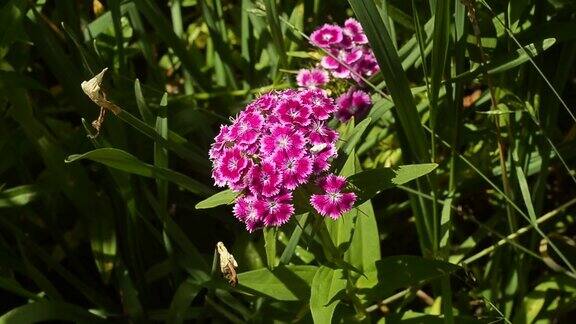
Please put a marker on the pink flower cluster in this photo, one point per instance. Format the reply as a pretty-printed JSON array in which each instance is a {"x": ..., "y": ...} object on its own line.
[
  {"x": 350, "y": 46},
  {"x": 279, "y": 142},
  {"x": 351, "y": 57}
]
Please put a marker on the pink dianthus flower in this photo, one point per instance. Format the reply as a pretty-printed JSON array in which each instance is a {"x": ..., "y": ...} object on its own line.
[
  {"x": 327, "y": 35},
  {"x": 352, "y": 103},
  {"x": 312, "y": 79},
  {"x": 333, "y": 203}
]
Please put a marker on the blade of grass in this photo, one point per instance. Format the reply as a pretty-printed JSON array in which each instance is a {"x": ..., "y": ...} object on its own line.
[
  {"x": 116, "y": 15},
  {"x": 270, "y": 246},
  {"x": 92, "y": 294},
  {"x": 225, "y": 57},
  {"x": 145, "y": 113},
  {"x": 531, "y": 59},
  {"x": 508, "y": 200},
  {"x": 49, "y": 311},
  {"x": 440, "y": 39},
  {"x": 272, "y": 17},
  {"x": 18, "y": 196},
  {"x": 294, "y": 239},
  {"x": 188, "y": 56},
  {"x": 182, "y": 300},
  {"x": 178, "y": 27},
  {"x": 124, "y": 161}
]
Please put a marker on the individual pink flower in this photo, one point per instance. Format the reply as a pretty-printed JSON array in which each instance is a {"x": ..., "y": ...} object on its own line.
[
  {"x": 265, "y": 179},
  {"x": 313, "y": 78},
  {"x": 352, "y": 103},
  {"x": 322, "y": 156},
  {"x": 219, "y": 180},
  {"x": 264, "y": 103},
  {"x": 351, "y": 57},
  {"x": 322, "y": 106},
  {"x": 232, "y": 165},
  {"x": 246, "y": 129},
  {"x": 326, "y": 35},
  {"x": 222, "y": 141},
  {"x": 333, "y": 203},
  {"x": 282, "y": 139},
  {"x": 342, "y": 72},
  {"x": 320, "y": 133},
  {"x": 330, "y": 63},
  {"x": 292, "y": 111},
  {"x": 250, "y": 210},
  {"x": 295, "y": 170},
  {"x": 353, "y": 29},
  {"x": 278, "y": 209}
]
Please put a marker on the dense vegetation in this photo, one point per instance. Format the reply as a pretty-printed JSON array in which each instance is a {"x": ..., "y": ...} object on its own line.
[{"x": 464, "y": 165}]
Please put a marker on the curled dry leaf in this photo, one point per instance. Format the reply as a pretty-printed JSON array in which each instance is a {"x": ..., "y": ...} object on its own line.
[
  {"x": 93, "y": 90},
  {"x": 228, "y": 264}
]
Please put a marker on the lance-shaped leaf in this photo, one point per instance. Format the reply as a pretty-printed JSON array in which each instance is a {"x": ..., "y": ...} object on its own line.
[
  {"x": 225, "y": 197},
  {"x": 127, "y": 162},
  {"x": 369, "y": 183}
]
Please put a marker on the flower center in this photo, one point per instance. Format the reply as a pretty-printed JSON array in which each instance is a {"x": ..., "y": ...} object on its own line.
[
  {"x": 290, "y": 164},
  {"x": 334, "y": 196},
  {"x": 265, "y": 178},
  {"x": 252, "y": 215},
  {"x": 243, "y": 127},
  {"x": 233, "y": 164},
  {"x": 272, "y": 206},
  {"x": 326, "y": 37},
  {"x": 283, "y": 142},
  {"x": 293, "y": 113}
]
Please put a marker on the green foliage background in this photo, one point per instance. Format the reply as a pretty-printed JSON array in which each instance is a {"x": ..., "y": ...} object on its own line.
[{"x": 465, "y": 163}]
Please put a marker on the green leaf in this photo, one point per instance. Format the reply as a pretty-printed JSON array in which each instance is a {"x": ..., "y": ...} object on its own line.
[
  {"x": 326, "y": 285},
  {"x": 270, "y": 246},
  {"x": 441, "y": 37},
  {"x": 510, "y": 61},
  {"x": 161, "y": 154},
  {"x": 14, "y": 287},
  {"x": 174, "y": 142},
  {"x": 130, "y": 297},
  {"x": 364, "y": 248},
  {"x": 287, "y": 283},
  {"x": 535, "y": 301},
  {"x": 10, "y": 15},
  {"x": 294, "y": 239},
  {"x": 276, "y": 30},
  {"x": 414, "y": 317},
  {"x": 181, "y": 301},
  {"x": 225, "y": 197},
  {"x": 354, "y": 136},
  {"x": 141, "y": 103},
  {"x": 371, "y": 182},
  {"x": 103, "y": 244},
  {"x": 49, "y": 311},
  {"x": 407, "y": 271},
  {"x": 124, "y": 161},
  {"x": 18, "y": 196}
]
